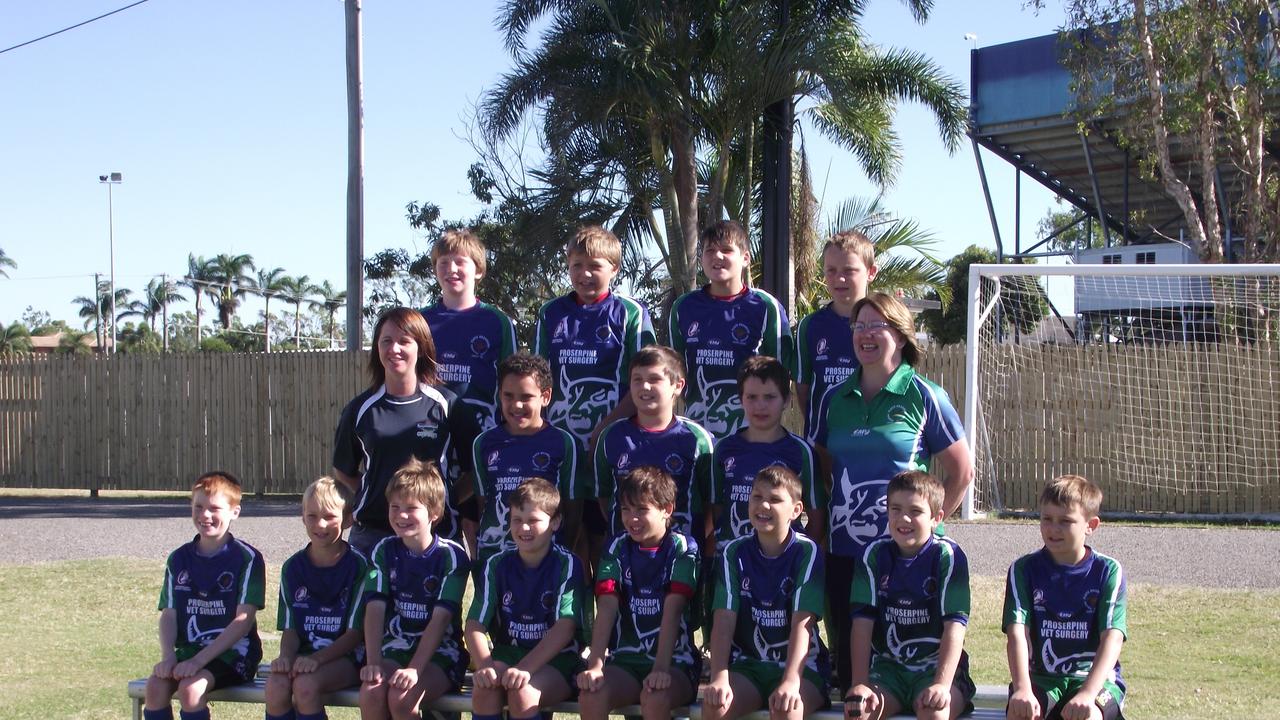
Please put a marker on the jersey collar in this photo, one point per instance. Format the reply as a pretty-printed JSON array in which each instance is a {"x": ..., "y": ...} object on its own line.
[{"x": 899, "y": 381}]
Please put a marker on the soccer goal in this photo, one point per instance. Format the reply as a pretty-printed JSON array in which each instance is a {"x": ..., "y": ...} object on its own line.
[{"x": 1159, "y": 382}]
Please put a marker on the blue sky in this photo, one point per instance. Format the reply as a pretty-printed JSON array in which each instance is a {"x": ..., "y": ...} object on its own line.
[{"x": 228, "y": 120}]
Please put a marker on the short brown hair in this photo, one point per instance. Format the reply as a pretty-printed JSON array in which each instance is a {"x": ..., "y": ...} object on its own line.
[
  {"x": 537, "y": 493},
  {"x": 853, "y": 241},
  {"x": 413, "y": 324},
  {"x": 726, "y": 232},
  {"x": 659, "y": 356},
  {"x": 595, "y": 241},
  {"x": 780, "y": 476},
  {"x": 765, "y": 368},
  {"x": 919, "y": 482},
  {"x": 329, "y": 494},
  {"x": 421, "y": 482},
  {"x": 523, "y": 364},
  {"x": 218, "y": 482},
  {"x": 1073, "y": 491},
  {"x": 461, "y": 241},
  {"x": 647, "y": 485},
  {"x": 899, "y": 318}
]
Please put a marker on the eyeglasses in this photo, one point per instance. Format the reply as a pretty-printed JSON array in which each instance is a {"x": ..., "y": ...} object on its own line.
[{"x": 872, "y": 326}]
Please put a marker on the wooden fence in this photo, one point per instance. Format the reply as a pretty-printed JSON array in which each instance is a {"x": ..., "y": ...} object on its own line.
[{"x": 154, "y": 423}]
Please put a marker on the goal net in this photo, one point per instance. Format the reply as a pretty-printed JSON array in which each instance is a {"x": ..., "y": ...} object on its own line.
[{"x": 1158, "y": 382}]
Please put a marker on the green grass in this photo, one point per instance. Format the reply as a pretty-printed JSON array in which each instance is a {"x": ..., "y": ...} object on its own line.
[{"x": 72, "y": 634}]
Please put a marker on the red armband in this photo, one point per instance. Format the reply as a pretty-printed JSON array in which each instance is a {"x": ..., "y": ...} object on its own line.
[
  {"x": 679, "y": 588},
  {"x": 608, "y": 586}
]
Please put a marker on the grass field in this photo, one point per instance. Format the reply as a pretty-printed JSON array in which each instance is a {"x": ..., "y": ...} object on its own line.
[{"x": 73, "y": 633}]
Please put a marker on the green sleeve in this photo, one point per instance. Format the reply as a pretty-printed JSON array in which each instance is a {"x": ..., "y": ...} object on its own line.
[
  {"x": 455, "y": 582},
  {"x": 484, "y": 603},
  {"x": 811, "y": 592},
  {"x": 508, "y": 347},
  {"x": 776, "y": 340},
  {"x": 284, "y": 611},
  {"x": 727, "y": 582},
  {"x": 355, "y": 598},
  {"x": 479, "y": 468},
  {"x": 954, "y": 582},
  {"x": 567, "y": 474},
  {"x": 813, "y": 493},
  {"x": 684, "y": 569},
  {"x": 376, "y": 578},
  {"x": 702, "y": 469},
  {"x": 1017, "y": 596},
  {"x": 541, "y": 339},
  {"x": 166, "y": 586},
  {"x": 571, "y": 596},
  {"x": 1113, "y": 603},
  {"x": 862, "y": 591},
  {"x": 802, "y": 367},
  {"x": 673, "y": 327},
  {"x": 603, "y": 470},
  {"x": 255, "y": 590},
  {"x": 609, "y": 568}
]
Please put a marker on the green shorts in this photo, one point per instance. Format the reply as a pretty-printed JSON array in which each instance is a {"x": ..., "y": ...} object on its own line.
[
  {"x": 639, "y": 667},
  {"x": 453, "y": 669},
  {"x": 766, "y": 677},
  {"x": 906, "y": 685},
  {"x": 1052, "y": 690},
  {"x": 566, "y": 663}
]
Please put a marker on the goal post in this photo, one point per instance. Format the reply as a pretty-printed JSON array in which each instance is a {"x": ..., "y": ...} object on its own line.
[{"x": 1160, "y": 382}]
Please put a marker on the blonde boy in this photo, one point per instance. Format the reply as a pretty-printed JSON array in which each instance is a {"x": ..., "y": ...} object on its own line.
[
  {"x": 910, "y": 602},
  {"x": 412, "y": 630},
  {"x": 213, "y": 589},
  {"x": 319, "y": 613},
  {"x": 1066, "y": 615}
]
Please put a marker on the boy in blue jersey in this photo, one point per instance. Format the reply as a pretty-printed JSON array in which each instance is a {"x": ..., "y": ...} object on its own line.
[
  {"x": 213, "y": 589},
  {"x": 765, "y": 387},
  {"x": 530, "y": 602},
  {"x": 524, "y": 446},
  {"x": 765, "y": 647},
  {"x": 589, "y": 337},
  {"x": 656, "y": 436},
  {"x": 412, "y": 628},
  {"x": 721, "y": 324},
  {"x": 471, "y": 337},
  {"x": 910, "y": 602},
  {"x": 1065, "y": 615},
  {"x": 824, "y": 342},
  {"x": 319, "y": 610},
  {"x": 644, "y": 590}
]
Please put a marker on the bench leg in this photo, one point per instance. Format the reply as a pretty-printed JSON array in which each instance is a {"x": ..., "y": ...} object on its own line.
[{"x": 137, "y": 708}]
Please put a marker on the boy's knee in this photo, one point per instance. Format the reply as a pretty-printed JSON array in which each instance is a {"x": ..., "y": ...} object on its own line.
[
  {"x": 278, "y": 685},
  {"x": 159, "y": 691},
  {"x": 191, "y": 693},
  {"x": 306, "y": 687}
]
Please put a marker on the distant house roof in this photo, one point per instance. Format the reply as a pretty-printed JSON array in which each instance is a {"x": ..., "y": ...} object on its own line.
[{"x": 49, "y": 343}]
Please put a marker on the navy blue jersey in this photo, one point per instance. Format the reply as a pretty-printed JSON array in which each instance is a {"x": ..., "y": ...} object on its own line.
[
  {"x": 517, "y": 604},
  {"x": 824, "y": 359},
  {"x": 714, "y": 336},
  {"x": 205, "y": 591},
  {"x": 910, "y": 598},
  {"x": 413, "y": 586},
  {"x": 321, "y": 603},
  {"x": 502, "y": 461},
  {"x": 469, "y": 345},
  {"x": 1066, "y": 608},
  {"x": 589, "y": 348},
  {"x": 735, "y": 463},
  {"x": 642, "y": 578},
  {"x": 683, "y": 451},
  {"x": 381, "y": 432},
  {"x": 766, "y": 592}
]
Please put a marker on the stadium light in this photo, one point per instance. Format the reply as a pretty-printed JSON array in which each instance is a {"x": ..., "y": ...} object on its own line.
[{"x": 110, "y": 179}]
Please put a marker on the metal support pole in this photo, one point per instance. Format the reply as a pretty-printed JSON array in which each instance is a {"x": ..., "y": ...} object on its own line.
[
  {"x": 111, "y": 234},
  {"x": 775, "y": 213},
  {"x": 164, "y": 312},
  {"x": 97, "y": 309},
  {"x": 986, "y": 193},
  {"x": 1097, "y": 192},
  {"x": 355, "y": 175},
  {"x": 1126, "y": 197},
  {"x": 1017, "y": 211}
]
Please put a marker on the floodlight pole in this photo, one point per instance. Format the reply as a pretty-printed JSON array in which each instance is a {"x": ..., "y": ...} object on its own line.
[
  {"x": 111, "y": 179},
  {"x": 355, "y": 175}
]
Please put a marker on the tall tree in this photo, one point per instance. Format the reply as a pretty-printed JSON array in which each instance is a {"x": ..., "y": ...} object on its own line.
[
  {"x": 230, "y": 272},
  {"x": 158, "y": 294},
  {"x": 330, "y": 299},
  {"x": 200, "y": 278},
  {"x": 6, "y": 261},
  {"x": 269, "y": 284},
  {"x": 1022, "y": 301},
  {"x": 297, "y": 289},
  {"x": 96, "y": 311},
  {"x": 14, "y": 338}
]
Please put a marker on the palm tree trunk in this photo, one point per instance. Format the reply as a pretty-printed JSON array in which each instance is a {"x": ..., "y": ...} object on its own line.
[
  {"x": 297, "y": 326},
  {"x": 266, "y": 320},
  {"x": 670, "y": 210},
  {"x": 685, "y": 173}
]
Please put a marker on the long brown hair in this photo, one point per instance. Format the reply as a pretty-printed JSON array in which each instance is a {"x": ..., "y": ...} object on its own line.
[
  {"x": 899, "y": 318},
  {"x": 415, "y": 326}
]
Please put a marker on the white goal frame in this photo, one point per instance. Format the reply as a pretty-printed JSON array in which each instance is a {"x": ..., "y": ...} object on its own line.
[{"x": 977, "y": 315}]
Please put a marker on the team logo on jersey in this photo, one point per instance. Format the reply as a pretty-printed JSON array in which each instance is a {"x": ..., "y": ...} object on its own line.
[
  {"x": 746, "y": 584},
  {"x": 788, "y": 586},
  {"x": 623, "y": 461},
  {"x": 931, "y": 586},
  {"x": 562, "y": 329},
  {"x": 728, "y": 464},
  {"x": 897, "y": 413},
  {"x": 479, "y": 345},
  {"x": 182, "y": 578},
  {"x": 626, "y": 575},
  {"x": 884, "y": 583},
  {"x": 226, "y": 580},
  {"x": 603, "y": 333},
  {"x": 391, "y": 576},
  {"x": 300, "y": 595},
  {"x": 431, "y": 585},
  {"x": 822, "y": 346},
  {"x": 548, "y": 600},
  {"x": 675, "y": 464},
  {"x": 428, "y": 429},
  {"x": 541, "y": 460},
  {"x": 506, "y": 599},
  {"x": 1091, "y": 599},
  {"x": 740, "y": 333},
  {"x": 493, "y": 460},
  {"x": 692, "y": 332},
  {"x": 1037, "y": 598}
]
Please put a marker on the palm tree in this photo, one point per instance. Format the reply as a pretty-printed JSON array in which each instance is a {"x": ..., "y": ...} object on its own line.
[
  {"x": 97, "y": 310},
  {"x": 270, "y": 283},
  {"x": 199, "y": 278},
  {"x": 6, "y": 261},
  {"x": 15, "y": 338},
  {"x": 157, "y": 296},
  {"x": 230, "y": 272},
  {"x": 297, "y": 290},
  {"x": 330, "y": 298},
  {"x": 72, "y": 343}
]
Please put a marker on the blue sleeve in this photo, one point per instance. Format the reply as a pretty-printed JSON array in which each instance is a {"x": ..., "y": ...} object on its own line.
[
  {"x": 346, "y": 450},
  {"x": 942, "y": 424}
]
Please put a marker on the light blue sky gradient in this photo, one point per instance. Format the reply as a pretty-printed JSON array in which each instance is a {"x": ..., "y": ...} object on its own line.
[{"x": 228, "y": 120}]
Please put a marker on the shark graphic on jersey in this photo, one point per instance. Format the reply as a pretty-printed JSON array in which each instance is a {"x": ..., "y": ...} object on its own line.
[
  {"x": 916, "y": 655},
  {"x": 1073, "y": 664},
  {"x": 774, "y": 652},
  {"x": 862, "y": 514},
  {"x": 719, "y": 409},
  {"x": 483, "y": 411},
  {"x": 398, "y": 639},
  {"x": 586, "y": 402},
  {"x": 205, "y": 637}
]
